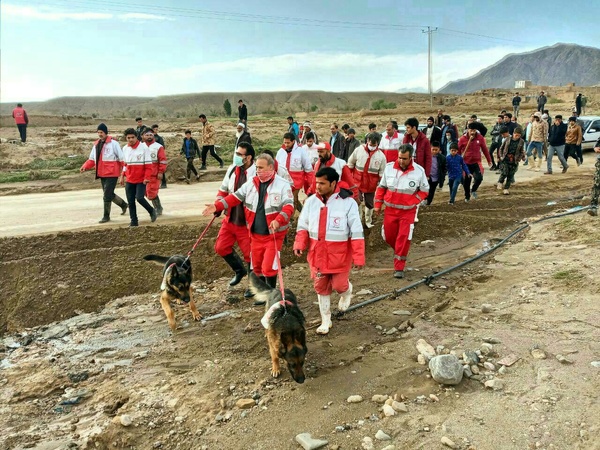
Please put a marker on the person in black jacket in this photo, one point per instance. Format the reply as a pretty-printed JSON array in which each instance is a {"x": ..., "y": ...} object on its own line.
[
  {"x": 241, "y": 135},
  {"x": 433, "y": 132},
  {"x": 337, "y": 143},
  {"x": 242, "y": 112},
  {"x": 496, "y": 140},
  {"x": 190, "y": 150},
  {"x": 556, "y": 144},
  {"x": 438, "y": 171},
  {"x": 516, "y": 104}
]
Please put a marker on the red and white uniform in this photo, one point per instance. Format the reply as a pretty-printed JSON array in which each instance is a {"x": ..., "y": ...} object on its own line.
[
  {"x": 159, "y": 165},
  {"x": 20, "y": 116},
  {"x": 297, "y": 163},
  {"x": 333, "y": 233},
  {"x": 422, "y": 153},
  {"x": 137, "y": 163},
  {"x": 340, "y": 167},
  {"x": 367, "y": 167},
  {"x": 390, "y": 145},
  {"x": 110, "y": 161},
  {"x": 278, "y": 205},
  {"x": 313, "y": 153},
  {"x": 400, "y": 191}
]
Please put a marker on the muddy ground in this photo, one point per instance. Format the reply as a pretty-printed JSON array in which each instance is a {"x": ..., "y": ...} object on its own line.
[{"x": 86, "y": 346}]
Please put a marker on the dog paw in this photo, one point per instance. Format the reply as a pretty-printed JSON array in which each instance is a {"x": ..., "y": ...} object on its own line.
[
  {"x": 178, "y": 301},
  {"x": 197, "y": 316},
  {"x": 275, "y": 373}
]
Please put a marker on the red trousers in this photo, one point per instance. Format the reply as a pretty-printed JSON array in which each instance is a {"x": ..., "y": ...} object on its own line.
[
  {"x": 152, "y": 188},
  {"x": 228, "y": 235},
  {"x": 326, "y": 283},
  {"x": 397, "y": 231},
  {"x": 262, "y": 250}
]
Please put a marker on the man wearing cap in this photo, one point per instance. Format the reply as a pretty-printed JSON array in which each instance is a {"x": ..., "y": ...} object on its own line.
[
  {"x": 433, "y": 132},
  {"x": 470, "y": 147},
  {"x": 308, "y": 129},
  {"x": 107, "y": 157},
  {"x": 242, "y": 112},
  {"x": 556, "y": 144},
  {"x": 208, "y": 142},
  {"x": 328, "y": 159},
  {"x": 367, "y": 163},
  {"x": 573, "y": 140},
  {"x": 21, "y": 120},
  {"x": 297, "y": 162},
  {"x": 242, "y": 134},
  {"x": 329, "y": 226},
  {"x": 159, "y": 166},
  {"x": 390, "y": 142},
  {"x": 402, "y": 188}
]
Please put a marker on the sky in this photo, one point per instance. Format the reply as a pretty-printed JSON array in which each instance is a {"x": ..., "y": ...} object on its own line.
[{"x": 61, "y": 48}]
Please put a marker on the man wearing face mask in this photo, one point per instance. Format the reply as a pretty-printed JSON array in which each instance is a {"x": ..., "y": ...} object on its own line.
[
  {"x": 268, "y": 206},
  {"x": 297, "y": 162},
  {"x": 328, "y": 159},
  {"x": 242, "y": 135},
  {"x": 233, "y": 228}
]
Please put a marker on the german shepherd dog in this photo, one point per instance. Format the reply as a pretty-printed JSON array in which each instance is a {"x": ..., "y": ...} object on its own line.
[
  {"x": 176, "y": 285},
  {"x": 285, "y": 331}
]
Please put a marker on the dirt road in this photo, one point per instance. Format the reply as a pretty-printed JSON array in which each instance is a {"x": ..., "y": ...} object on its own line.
[{"x": 60, "y": 211}]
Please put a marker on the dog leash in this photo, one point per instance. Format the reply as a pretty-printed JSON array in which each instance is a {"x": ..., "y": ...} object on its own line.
[{"x": 198, "y": 241}]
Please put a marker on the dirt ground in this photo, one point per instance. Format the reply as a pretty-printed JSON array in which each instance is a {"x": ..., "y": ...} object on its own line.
[{"x": 86, "y": 346}]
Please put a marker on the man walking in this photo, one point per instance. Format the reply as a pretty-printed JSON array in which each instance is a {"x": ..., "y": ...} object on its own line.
[
  {"x": 242, "y": 134},
  {"x": 189, "y": 149},
  {"x": 367, "y": 164},
  {"x": 390, "y": 143},
  {"x": 433, "y": 132},
  {"x": 328, "y": 159},
  {"x": 516, "y": 104},
  {"x": 537, "y": 139},
  {"x": 573, "y": 140},
  {"x": 593, "y": 211},
  {"x": 402, "y": 188},
  {"x": 556, "y": 144},
  {"x": 470, "y": 147},
  {"x": 420, "y": 144},
  {"x": 496, "y": 140},
  {"x": 511, "y": 153},
  {"x": 308, "y": 129},
  {"x": 269, "y": 205},
  {"x": 541, "y": 101},
  {"x": 293, "y": 127},
  {"x": 21, "y": 120},
  {"x": 208, "y": 142},
  {"x": 107, "y": 157},
  {"x": 297, "y": 162},
  {"x": 161, "y": 141},
  {"x": 140, "y": 129},
  {"x": 159, "y": 166},
  {"x": 351, "y": 143},
  {"x": 329, "y": 226},
  {"x": 242, "y": 112},
  {"x": 337, "y": 143}
]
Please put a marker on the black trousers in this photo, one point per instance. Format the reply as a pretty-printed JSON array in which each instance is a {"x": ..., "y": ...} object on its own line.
[
  {"x": 433, "y": 185},
  {"x": 22, "y": 131},
  {"x": 477, "y": 178},
  {"x": 211, "y": 149},
  {"x": 108, "y": 188},
  {"x": 574, "y": 151},
  {"x": 493, "y": 149},
  {"x": 136, "y": 191},
  {"x": 190, "y": 167}
]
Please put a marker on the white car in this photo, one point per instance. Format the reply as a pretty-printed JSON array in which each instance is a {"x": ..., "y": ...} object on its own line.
[{"x": 591, "y": 131}]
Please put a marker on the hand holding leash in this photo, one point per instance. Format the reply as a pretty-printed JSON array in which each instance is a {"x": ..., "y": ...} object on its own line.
[{"x": 210, "y": 209}]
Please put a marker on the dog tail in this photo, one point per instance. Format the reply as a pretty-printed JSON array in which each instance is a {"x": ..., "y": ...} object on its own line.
[
  {"x": 156, "y": 258},
  {"x": 260, "y": 289}
]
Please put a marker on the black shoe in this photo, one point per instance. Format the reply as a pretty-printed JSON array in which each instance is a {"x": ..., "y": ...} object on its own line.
[
  {"x": 203, "y": 167},
  {"x": 124, "y": 209},
  {"x": 104, "y": 219},
  {"x": 399, "y": 274},
  {"x": 153, "y": 215},
  {"x": 221, "y": 166},
  {"x": 133, "y": 224},
  {"x": 593, "y": 211},
  {"x": 197, "y": 177},
  {"x": 237, "y": 265}
]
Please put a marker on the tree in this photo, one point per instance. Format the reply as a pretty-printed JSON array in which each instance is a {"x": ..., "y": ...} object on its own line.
[{"x": 227, "y": 107}]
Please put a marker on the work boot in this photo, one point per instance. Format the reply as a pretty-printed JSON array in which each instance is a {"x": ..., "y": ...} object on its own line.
[
  {"x": 593, "y": 211},
  {"x": 325, "y": 309},
  {"x": 399, "y": 274},
  {"x": 121, "y": 204},
  {"x": 261, "y": 302},
  {"x": 272, "y": 281},
  {"x": 106, "y": 216},
  {"x": 157, "y": 206},
  {"x": 153, "y": 215},
  {"x": 237, "y": 265},
  {"x": 248, "y": 293},
  {"x": 345, "y": 298},
  {"x": 369, "y": 217}
]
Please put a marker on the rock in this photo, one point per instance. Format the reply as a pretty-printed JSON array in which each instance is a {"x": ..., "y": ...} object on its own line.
[
  {"x": 509, "y": 360},
  {"x": 447, "y": 442},
  {"x": 388, "y": 411},
  {"x": 489, "y": 366},
  {"x": 495, "y": 384},
  {"x": 364, "y": 292},
  {"x": 439, "y": 349},
  {"x": 427, "y": 241},
  {"x": 446, "y": 369},
  {"x": 389, "y": 447},
  {"x": 354, "y": 399},
  {"x": 157, "y": 444},
  {"x": 367, "y": 443},
  {"x": 434, "y": 398},
  {"x": 55, "y": 332},
  {"x": 492, "y": 340},
  {"x": 125, "y": 420},
  {"x": 502, "y": 370},
  {"x": 391, "y": 331},
  {"x": 425, "y": 349},
  {"x": 245, "y": 403},
  {"x": 595, "y": 364},
  {"x": 402, "y": 312},
  {"x": 544, "y": 374},
  {"x": 467, "y": 372},
  {"x": 538, "y": 353},
  {"x": 486, "y": 349},
  {"x": 475, "y": 369},
  {"x": 470, "y": 357},
  {"x": 379, "y": 398},
  {"x": 421, "y": 359},
  {"x": 399, "y": 406},
  {"x": 486, "y": 308},
  {"x": 563, "y": 360},
  {"x": 381, "y": 436}
]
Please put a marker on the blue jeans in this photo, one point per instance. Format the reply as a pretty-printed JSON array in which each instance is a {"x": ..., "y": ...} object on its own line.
[
  {"x": 539, "y": 146},
  {"x": 453, "y": 185}
]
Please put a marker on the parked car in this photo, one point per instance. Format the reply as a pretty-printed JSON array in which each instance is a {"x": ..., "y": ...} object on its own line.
[{"x": 591, "y": 131}]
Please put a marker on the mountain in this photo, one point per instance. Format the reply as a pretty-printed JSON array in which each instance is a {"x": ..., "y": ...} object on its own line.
[{"x": 556, "y": 65}]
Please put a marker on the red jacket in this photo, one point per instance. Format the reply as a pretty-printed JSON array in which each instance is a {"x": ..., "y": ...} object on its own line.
[
  {"x": 159, "y": 158},
  {"x": 332, "y": 232},
  {"x": 20, "y": 116},
  {"x": 401, "y": 190},
  {"x": 471, "y": 153},
  {"x": 422, "y": 153},
  {"x": 137, "y": 163},
  {"x": 297, "y": 162},
  {"x": 110, "y": 162},
  {"x": 368, "y": 167},
  {"x": 278, "y": 202},
  {"x": 340, "y": 167}
]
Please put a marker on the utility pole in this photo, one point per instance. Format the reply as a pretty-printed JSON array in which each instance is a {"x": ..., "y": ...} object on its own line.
[{"x": 429, "y": 32}]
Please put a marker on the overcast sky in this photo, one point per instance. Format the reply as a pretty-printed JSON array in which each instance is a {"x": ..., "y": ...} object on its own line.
[{"x": 158, "y": 47}]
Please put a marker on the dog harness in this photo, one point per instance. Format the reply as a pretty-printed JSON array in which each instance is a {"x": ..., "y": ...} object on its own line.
[{"x": 265, "y": 321}]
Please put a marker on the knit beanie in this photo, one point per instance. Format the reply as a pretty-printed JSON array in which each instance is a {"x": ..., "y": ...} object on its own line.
[{"x": 102, "y": 127}]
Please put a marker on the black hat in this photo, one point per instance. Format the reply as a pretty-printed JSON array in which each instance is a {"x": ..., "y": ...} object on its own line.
[{"x": 102, "y": 127}]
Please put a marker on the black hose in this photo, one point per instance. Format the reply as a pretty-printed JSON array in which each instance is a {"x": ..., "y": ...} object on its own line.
[{"x": 427, "y": 280}]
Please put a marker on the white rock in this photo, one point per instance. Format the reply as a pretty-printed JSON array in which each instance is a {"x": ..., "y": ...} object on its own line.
[
  {"x": 421, "y": 359},
  {"x": 364, "y": 292},
  {"x": 495, "y": 384},
  {"x": 367, "y": 443},
  {"x": 563, "y": 360},
  {"x": 486, "y": 348},
  {"x": 595, "y": 364},
  {"x": 447, "y": 442},
  {"x": 307, "y": 442},
  {"x": 425, "y": 349},
  {"x": 538, "y": 353},
  {"x": 389, "y": 447},
  {"x": 446, "y": 369},
  {"x": 388, "y": 411},
  {"x": 125, "y": 420},
  {"x": 379, "y": 398},
  {"x": 486, "y": 308},
  {"x": 399, "y": 406},
  {"x": 354, "y": 399},
  {"x": 402, "y": 312},
  {"x": 489, "y": 366},
  {"x": 381, "y": 436},
  {"x": 434, "y": 398}
]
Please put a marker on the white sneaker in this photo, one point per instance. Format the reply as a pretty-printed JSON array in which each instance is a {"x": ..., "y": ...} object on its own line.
[
  {"x": 345, "y": 298},
  {"x": 325, "y": 309}
]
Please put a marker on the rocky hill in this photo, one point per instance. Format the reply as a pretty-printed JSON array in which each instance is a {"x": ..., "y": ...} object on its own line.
[{"x": 548, "y": 66}]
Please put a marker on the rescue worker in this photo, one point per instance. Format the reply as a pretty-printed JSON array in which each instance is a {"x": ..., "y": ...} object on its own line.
[
  {"x": 329, "y": 226},
  {"x": 297, "y": 162},
  {"x": 21, "y": 120},
  {"x": 107, "y": 157},
  {"x": 367, "y": 164},
  {"x": 328, "y": 159},
  {"x": 401, "y": 189},
  {"x": 159, "y": 166},
  {"x": 390, "y": 142}
]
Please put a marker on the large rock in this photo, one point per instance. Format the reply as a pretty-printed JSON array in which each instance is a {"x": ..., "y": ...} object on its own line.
[
  {"x": 308, "y": 443},
  {"x": 446, "y": 369}
]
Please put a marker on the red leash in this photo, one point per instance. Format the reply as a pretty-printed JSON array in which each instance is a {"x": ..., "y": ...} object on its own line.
[
  {"x": 279, "y": 272},
  {"x": 199, "y": 239}
]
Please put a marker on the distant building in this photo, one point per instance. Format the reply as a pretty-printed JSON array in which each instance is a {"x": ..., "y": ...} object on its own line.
[{"x": 523, "y": 84}]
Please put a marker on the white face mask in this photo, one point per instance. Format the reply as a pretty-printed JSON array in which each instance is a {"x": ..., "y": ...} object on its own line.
[{"x": 372, "y": 147}]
